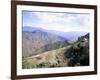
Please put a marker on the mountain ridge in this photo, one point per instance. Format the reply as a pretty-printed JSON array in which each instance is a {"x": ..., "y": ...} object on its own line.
[
  {"x": 69, "y": 36},
  {"x": 39, "y": 41},
  {"x": 75, "y": 54}
]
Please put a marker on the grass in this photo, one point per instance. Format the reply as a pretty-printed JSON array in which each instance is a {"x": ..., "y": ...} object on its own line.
[{"x": 53, "y": 58}]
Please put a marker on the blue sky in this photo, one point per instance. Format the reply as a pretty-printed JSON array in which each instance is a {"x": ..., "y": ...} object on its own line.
[{"x": 65, "y": 22}]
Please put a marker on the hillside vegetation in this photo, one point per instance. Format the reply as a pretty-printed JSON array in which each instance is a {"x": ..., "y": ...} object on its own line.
[
  {"x": 76, "y": 54},
  {"x": 53, "y": 58},
  {"x": 44, "y": 50}
]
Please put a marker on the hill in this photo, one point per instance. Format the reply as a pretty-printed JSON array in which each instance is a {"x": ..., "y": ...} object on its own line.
[
  {"x": 75, "y": 54},
  {"x": 71, "y": 36},
  {"x": 35, "y": 41},
  {"x": 78, "y": 54},
  {"x": 53, "y": 58}
]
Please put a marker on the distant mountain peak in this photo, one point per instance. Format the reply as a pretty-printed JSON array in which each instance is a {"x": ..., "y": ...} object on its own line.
[{"x": 31, "y": 29}]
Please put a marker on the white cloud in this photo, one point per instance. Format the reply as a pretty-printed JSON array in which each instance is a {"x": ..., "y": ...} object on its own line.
[
  {"x": 46, "y": 17},
  {"x": 62, "y": 21}
]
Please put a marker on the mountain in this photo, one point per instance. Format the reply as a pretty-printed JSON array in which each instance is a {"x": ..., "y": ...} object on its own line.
[
  {"x": 69, "y": 36},
  {"x": 78, "y": 53},
  {"x": 31, "y": 29},
  {"x": 84, "y": 37},
  {"x": 35, "y": 41},
  {"x": 75, "y": 54}
]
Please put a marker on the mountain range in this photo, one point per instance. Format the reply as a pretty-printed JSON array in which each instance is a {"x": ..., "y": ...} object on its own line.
[
  {"x": 57, "y": 55},
  {"x": 70, "y": 36},
  {"x": 38, "y": 40}
]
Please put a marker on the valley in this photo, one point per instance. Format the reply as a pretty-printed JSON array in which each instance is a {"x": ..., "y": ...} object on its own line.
[{"x": 45, "y": 49}]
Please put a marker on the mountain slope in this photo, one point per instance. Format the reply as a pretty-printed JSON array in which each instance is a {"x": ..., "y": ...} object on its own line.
[
  {"x": 75, "y": 54},
  {"x": 53, "y": 58},
  {"x": 71, "y": 36},
  {"x": 38, "y": 41},
  {"x": 78, "y": 53}
]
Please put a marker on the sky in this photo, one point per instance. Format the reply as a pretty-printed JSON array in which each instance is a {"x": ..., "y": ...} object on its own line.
[{"x": 65, "y": 22}]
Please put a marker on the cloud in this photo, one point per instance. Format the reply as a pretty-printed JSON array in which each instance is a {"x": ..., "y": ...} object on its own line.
[
  {"x": 61, "y": 21},
  {"x": 46, "y": 17}
]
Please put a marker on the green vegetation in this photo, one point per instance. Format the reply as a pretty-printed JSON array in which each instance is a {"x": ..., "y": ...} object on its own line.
[
  {"x": 74, "y": 54},
  {"x": 78, "y": 54},
  {"x": 24, "y": 63},
  {"x": 54, "y": 58}
]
